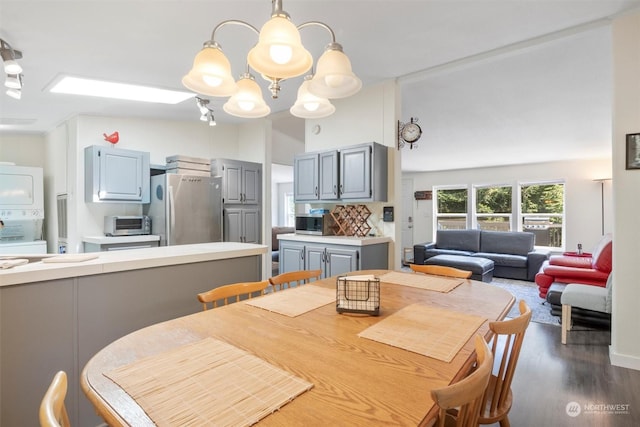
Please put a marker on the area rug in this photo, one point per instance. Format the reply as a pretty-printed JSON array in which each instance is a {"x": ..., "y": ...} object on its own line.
[{"x": 528, "y": 291}]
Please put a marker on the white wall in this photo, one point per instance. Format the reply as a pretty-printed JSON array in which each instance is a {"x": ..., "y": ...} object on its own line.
[
  {"x": 23, "y": 150},
  {"x": 583, "y": 194},
  {"x": 625, "y": 345}
]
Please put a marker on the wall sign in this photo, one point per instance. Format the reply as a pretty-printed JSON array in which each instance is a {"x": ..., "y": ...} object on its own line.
[{"x": 423, "y": 195}]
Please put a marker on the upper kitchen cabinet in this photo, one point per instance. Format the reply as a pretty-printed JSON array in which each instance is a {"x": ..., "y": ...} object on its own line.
[
  {"x": 316, "y": 176},
  {"x": 363, "y": 173},
  {"x": 116, "y": 175},
  {"x": 241, "y": 183},
  {"x": 305, "y": 177},
  {"x": 355, "y": 173}
]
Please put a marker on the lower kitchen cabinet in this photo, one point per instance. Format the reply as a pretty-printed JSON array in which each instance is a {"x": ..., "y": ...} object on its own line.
[
  {"x": 331, "y": 259},
  {"x": 242, "y": 225}
]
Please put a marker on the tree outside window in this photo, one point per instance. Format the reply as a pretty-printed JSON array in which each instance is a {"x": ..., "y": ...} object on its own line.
[
  {"x": 542, "y": 207},
  {"x": 494, "y": 208},
  {"x": 451, "y": 211}
]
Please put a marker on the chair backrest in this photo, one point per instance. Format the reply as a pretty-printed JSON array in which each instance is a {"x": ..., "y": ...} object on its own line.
[
  {"x": 235, "y": 291},
  {"x": 294, "y": 277},
  {"x": 466, "y": 394},
  {"x": 53, "y": 412},
  {"x": 441, "y": 270},
  {"x": 507, "y": 342}
]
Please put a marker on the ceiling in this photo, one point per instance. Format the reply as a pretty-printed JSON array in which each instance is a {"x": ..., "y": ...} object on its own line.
[{"x": 492, "y": 82}]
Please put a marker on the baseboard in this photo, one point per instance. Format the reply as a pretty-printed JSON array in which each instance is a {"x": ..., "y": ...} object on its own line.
[{"x": 623, "y": 360}]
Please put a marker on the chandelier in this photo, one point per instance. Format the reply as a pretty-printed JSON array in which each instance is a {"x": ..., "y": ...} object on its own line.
[
  {"x": 277, "y": 56},
  {"x": 14, "y": 77}
]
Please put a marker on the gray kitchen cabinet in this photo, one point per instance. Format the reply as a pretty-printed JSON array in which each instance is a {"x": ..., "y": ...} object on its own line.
[
  {"x": 333, "y": 259},
  {"x": 116, "y": 175},
  {"x": 363, "y": 173},
  {"x": 291, "y": 257},
  {"x": 241, "y": 183},
  {"x": 315, "y": 176},
  {"x": 355, "y": 173},
  {"x": 241, "y": 224},
  {"x": 329, "y": 175},
  {"x": 305, "y": 177}
]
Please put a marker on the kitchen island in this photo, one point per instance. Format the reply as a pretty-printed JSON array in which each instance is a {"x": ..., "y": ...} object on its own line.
[{"x": 57, "y": 315}]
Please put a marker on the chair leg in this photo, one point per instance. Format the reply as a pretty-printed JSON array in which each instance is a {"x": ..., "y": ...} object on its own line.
[{"x": 566, "y": 322}]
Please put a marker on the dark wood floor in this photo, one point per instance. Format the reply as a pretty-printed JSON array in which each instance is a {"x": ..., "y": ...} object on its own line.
[{"x": 551, "y": 375}]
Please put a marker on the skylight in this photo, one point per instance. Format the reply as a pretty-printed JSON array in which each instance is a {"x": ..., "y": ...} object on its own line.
[{"x": 104, "y": 89}]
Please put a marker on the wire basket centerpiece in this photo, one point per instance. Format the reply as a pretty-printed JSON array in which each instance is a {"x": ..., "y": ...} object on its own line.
[{"x": 358, "y": 294}]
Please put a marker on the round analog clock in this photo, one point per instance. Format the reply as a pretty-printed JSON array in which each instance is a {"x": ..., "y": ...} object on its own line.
[{"x": 410, "y": 132}]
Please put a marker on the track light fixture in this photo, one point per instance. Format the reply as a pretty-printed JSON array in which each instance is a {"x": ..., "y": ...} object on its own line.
[
  {"x": 14, "y": 71},
  {"x": 278, "y": 55},
  {"x": 206, "y": 112}
]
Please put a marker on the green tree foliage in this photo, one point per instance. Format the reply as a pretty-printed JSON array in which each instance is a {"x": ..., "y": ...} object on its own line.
[
  {"x": 493, "y": 200},
  {"x": 452, "y": 201},
  {"x": 543, "y": 198}
]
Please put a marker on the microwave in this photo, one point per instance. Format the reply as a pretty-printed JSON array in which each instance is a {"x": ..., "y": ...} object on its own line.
[
  {"x": 127, "y": 225},
  {"x": 316, "y": 224}
]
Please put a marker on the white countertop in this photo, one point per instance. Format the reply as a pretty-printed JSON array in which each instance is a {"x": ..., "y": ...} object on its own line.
[
  {"x": 335, "y": 240},
  {"x": 107, "y": 240},
  {"x": 124, "y": 260}
]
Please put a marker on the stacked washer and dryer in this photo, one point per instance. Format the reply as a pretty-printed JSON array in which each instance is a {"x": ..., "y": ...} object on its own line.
[{"x": 21, "y": 210}]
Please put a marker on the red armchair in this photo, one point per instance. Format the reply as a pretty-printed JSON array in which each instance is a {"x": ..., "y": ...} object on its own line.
[{"x": 592, "y": 270}]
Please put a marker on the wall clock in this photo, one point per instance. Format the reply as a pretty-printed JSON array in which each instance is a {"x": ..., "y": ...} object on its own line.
[{"x": 409, "y": 133}]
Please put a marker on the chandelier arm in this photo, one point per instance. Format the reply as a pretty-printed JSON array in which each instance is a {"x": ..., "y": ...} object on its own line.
[
  {"x": 319, "y": 24},
  {"x": 234, "y": 22}
]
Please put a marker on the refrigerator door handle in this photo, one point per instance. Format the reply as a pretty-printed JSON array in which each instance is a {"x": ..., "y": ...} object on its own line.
[{"x": 172, "y": 209}]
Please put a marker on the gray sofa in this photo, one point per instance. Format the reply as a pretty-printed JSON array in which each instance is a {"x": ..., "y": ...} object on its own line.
[{"x": 513, "y": 253}]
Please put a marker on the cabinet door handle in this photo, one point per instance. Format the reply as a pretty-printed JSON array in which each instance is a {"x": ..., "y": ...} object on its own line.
[
  {"x": 316, "y": 190},
  {"x": 139, "y": 191},
  {"x": 341, "y": 189},
  {"x": 335, "y": 188}
]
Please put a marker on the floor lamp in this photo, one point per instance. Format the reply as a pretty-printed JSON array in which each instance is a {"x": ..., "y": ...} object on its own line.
[{"x": 602, "y": 181}]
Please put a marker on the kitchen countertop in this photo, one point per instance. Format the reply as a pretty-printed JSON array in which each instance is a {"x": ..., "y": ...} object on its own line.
[
  {"x": 106, "y": 240},
  {"x": 335, "y": 240},
  {"x": 124, "y": 260}
]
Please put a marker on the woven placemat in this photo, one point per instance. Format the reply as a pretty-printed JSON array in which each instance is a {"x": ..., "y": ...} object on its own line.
[
  {"x": 422, "y": 281},
  {"x": 295, "y": 301},
  {"x": 207, "y": 383},
  {"x": 430, "y": 331}
]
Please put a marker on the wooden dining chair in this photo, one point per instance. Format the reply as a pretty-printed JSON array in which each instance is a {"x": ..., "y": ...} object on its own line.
[
  {"x": 297, "y": 278},
  {"x": 53, "y": 412},
  {"x": 460, "y": 402},
  {"x": 507, "y": 342},
  {"x": 235, "y": 291},
  {"x": 441, "y": 270}
]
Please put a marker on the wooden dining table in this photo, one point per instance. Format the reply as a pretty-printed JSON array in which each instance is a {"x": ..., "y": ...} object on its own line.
[{"x": 356, "y": 381}]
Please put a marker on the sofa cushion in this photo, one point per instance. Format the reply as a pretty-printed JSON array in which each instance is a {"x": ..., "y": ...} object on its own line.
[
  {"x": 517, "y": 243},
  {"x": 433, "y": 252},
  {"x": 461, "y": 240},
  {"x": 585, "y": 296},
  {"x": 570, "y": 261},
  {"x": 601, "y": 259},
  {"x": 506, "y": 260}
]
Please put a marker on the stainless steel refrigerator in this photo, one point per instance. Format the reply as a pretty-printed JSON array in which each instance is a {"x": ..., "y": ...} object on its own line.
[{"x": 185, "y": 209}]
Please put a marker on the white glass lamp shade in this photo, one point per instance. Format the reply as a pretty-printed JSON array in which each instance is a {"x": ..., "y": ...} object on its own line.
[
  {"x": 309, "y": 106},
  {"x": 13, "y": 82},
  {"x": 211, "y": 74},
  {"x": 334, "y": 78},
  {"x": 12, "y": 67},
  {"x": 279, "y": 52},
  {"x": 248, "y": 101},
  {"x": 15, "y": 93}
]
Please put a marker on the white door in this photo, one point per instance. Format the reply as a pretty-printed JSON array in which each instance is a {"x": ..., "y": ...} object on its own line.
[{"x": 407, "y": 221}]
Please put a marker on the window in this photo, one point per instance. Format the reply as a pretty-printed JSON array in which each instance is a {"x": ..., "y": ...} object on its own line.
[
  {"x": 451, "y": 208},
  {"x": 542, "y": 212},
  {"x": 289, "y": 210},
  {"x": 493, "y": 208}
]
